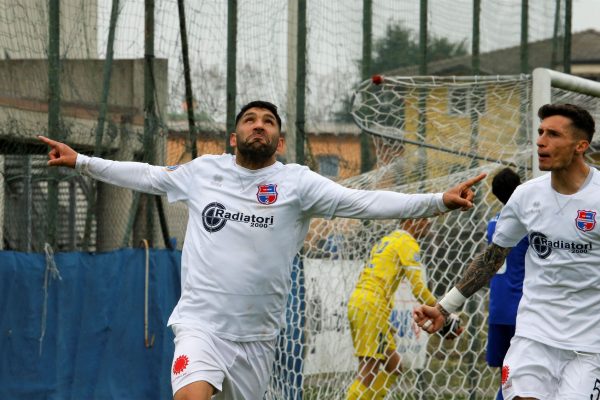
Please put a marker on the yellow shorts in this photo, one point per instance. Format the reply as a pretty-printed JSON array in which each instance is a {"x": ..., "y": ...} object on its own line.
[{"x": 371, "y": 333}]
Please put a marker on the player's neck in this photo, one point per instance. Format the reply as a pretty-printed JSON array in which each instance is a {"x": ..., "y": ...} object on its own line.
[
  {"x": 253, "y": 164},
  {"x": 569, "y": 180}
]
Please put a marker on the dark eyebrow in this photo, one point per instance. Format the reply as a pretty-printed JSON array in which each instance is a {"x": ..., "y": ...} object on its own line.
[
  {"x": 253, "y": 114},
  {"x": 540, "y": 130},
  {"x": 249, "y": 114}
]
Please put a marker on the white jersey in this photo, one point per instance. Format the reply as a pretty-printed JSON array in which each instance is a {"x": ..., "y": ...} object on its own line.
[
  {"x": 561, "y": 291},
  {"x": 244, "y": 229}
]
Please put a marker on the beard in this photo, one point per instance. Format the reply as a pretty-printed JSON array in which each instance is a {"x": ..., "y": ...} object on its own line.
[{"x": 257, "y": 151}]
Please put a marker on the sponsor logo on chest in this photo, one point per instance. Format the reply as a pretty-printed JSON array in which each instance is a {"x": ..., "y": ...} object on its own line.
[
  {"x": 215, "y": 215},
  {"x": 544, "y": 246}
]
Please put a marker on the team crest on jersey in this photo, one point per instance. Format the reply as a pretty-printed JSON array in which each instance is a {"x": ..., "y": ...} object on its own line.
[
  {"x": 267, "y": 194},
  {"x": 171, "y": 168},
  {"x": 586, "y": 220}
]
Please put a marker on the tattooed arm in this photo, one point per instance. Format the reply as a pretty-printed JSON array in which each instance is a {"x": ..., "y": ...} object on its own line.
[
  {"x": 482, "y": 269},
  {"x": 479, "y": 273}
]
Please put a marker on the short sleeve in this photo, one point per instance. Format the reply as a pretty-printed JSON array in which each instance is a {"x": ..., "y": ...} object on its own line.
[
  {"x": 491, "y": 227},
  {"x": 509, "y": 228}
]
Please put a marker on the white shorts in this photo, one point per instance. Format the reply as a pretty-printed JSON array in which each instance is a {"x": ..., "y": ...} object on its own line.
[
  {"x": 534, "y": 369},
  {"x": 238, "y": 370}
]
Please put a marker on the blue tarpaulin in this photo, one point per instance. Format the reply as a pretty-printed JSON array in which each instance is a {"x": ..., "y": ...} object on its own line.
[{"x": 80, "y": 334}]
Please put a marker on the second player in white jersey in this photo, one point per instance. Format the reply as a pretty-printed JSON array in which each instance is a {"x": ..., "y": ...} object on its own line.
[
  {"x": 563, "y": 261},
  {"x": 555, "y": 353}
]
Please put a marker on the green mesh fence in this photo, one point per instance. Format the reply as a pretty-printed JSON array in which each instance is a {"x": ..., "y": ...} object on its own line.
[
  {"x": 123, "y": 99},
  {"x": 107, "y": 80}
]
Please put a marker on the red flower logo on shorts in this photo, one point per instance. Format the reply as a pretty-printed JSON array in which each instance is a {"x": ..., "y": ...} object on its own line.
[
  {"x": 180, "y": 364},
  {"x": 505, "y": 373}
]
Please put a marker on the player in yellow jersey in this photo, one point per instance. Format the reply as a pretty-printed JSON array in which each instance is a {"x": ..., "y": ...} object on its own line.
[{"x": 394, "y": 257}]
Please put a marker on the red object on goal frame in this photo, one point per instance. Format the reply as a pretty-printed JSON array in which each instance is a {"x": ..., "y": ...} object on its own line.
[{"x": 377, "y": 79}]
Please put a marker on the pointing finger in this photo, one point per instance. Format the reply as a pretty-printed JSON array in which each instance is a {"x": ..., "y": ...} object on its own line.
[
  {"x": 470, "y": 182},
  {"x": 48, "y": 141}
]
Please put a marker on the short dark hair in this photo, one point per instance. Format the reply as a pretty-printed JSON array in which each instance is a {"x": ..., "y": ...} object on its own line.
[
  {"x": 580, "y": 117},
  {"x": 259, "y": 104},
  {"x": 504, "y": 184}
]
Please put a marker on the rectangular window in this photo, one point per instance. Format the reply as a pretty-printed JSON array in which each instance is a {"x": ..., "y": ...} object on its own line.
[{"x": 329, "y": 165}]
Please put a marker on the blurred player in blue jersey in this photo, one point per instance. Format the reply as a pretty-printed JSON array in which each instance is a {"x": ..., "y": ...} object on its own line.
[{"x": 506, "y": 287}]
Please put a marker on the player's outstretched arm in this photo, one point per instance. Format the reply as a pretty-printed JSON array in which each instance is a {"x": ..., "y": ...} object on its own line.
[
  {"x": 461, "y": 196},
  {"x": 127, "y": 174},
  {"x": 478, "y": 274},
  {"x": 60, "y": 154}
]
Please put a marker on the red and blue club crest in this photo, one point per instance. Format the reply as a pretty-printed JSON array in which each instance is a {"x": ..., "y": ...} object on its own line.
[
  {"x": 267, "y": 194},
  {"x": 586, "y": 220}
]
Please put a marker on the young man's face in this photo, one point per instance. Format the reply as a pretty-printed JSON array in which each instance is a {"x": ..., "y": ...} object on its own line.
[
  {"x": 257, "y": 135},
  {"x": 558, "y": 143}
]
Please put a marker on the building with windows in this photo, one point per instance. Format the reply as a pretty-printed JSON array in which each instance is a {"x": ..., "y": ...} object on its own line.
[{"x": 333, "y": 149}]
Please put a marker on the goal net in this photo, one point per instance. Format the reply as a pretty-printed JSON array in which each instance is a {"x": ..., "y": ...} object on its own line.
[{"x": 428, "y": 133}]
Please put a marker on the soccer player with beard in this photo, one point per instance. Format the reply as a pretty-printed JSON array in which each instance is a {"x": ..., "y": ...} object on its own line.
[
  {"x": 233, "y": 301},
  {"x": 555, "y": 352}
]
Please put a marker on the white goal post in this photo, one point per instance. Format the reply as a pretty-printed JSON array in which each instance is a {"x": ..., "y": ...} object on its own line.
[{"x": 428, "y": 134}]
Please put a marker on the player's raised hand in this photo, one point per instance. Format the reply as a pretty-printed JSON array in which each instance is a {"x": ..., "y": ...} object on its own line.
[
  {"x": 461, "y": 196},
  {"x": 430, "y": 319},
  {"x": 60, "y": 154}
]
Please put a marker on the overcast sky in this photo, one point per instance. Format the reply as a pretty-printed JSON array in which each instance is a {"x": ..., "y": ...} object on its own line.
[
  {"x": 586, "y": 15},
  {"x": 333, "y": 54}
]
